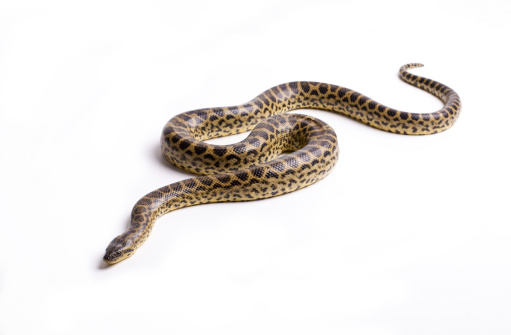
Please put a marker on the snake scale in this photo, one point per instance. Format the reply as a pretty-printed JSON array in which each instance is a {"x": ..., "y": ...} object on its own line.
[{"x": 255, "y": 167}]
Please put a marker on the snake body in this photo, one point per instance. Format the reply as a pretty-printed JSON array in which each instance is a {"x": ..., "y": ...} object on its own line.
[{"x": 254, "y": 168}]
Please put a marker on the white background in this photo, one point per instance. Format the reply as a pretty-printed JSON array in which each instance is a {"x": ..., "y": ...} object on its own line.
[{"x": 408, "y": 235}]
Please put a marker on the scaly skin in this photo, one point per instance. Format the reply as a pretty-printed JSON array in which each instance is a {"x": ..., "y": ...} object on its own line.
[{"x": 250, "y": 169}]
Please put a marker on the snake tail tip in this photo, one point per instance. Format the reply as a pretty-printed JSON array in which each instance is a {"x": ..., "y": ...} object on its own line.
[{"x": 412, "y": 66}]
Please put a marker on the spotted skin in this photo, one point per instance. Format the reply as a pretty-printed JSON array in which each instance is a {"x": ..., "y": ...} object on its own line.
[{"x": 255, "y": 167}]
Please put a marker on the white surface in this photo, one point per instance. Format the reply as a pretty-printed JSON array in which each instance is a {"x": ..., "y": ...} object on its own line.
[{"x": 408, "y": 235}]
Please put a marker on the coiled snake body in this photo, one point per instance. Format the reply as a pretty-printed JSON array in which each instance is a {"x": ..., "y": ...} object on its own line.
[{"x": 252, "y": 168}]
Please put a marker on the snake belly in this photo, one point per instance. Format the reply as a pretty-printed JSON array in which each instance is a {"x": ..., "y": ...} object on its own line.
[{"x": 255, "y": 167}]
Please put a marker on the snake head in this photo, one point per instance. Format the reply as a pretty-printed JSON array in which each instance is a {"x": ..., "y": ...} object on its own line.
[{"x": 120, "y": 248}]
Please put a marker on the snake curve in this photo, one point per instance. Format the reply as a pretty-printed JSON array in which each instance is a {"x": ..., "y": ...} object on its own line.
[{"x": 254, "y": 168}]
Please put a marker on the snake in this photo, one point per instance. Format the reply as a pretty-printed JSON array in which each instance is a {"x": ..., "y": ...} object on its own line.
[{"x": 281, "y": 154}]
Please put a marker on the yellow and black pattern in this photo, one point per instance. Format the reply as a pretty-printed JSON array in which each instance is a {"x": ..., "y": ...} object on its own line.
[{"x": 252, "y": 168}]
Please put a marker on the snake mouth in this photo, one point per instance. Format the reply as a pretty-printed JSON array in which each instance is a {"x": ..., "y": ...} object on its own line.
[{"x": 112, "y": 258}]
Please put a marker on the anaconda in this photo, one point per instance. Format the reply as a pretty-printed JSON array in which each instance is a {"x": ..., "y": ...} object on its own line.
[{"x": 255, "y": 167}]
